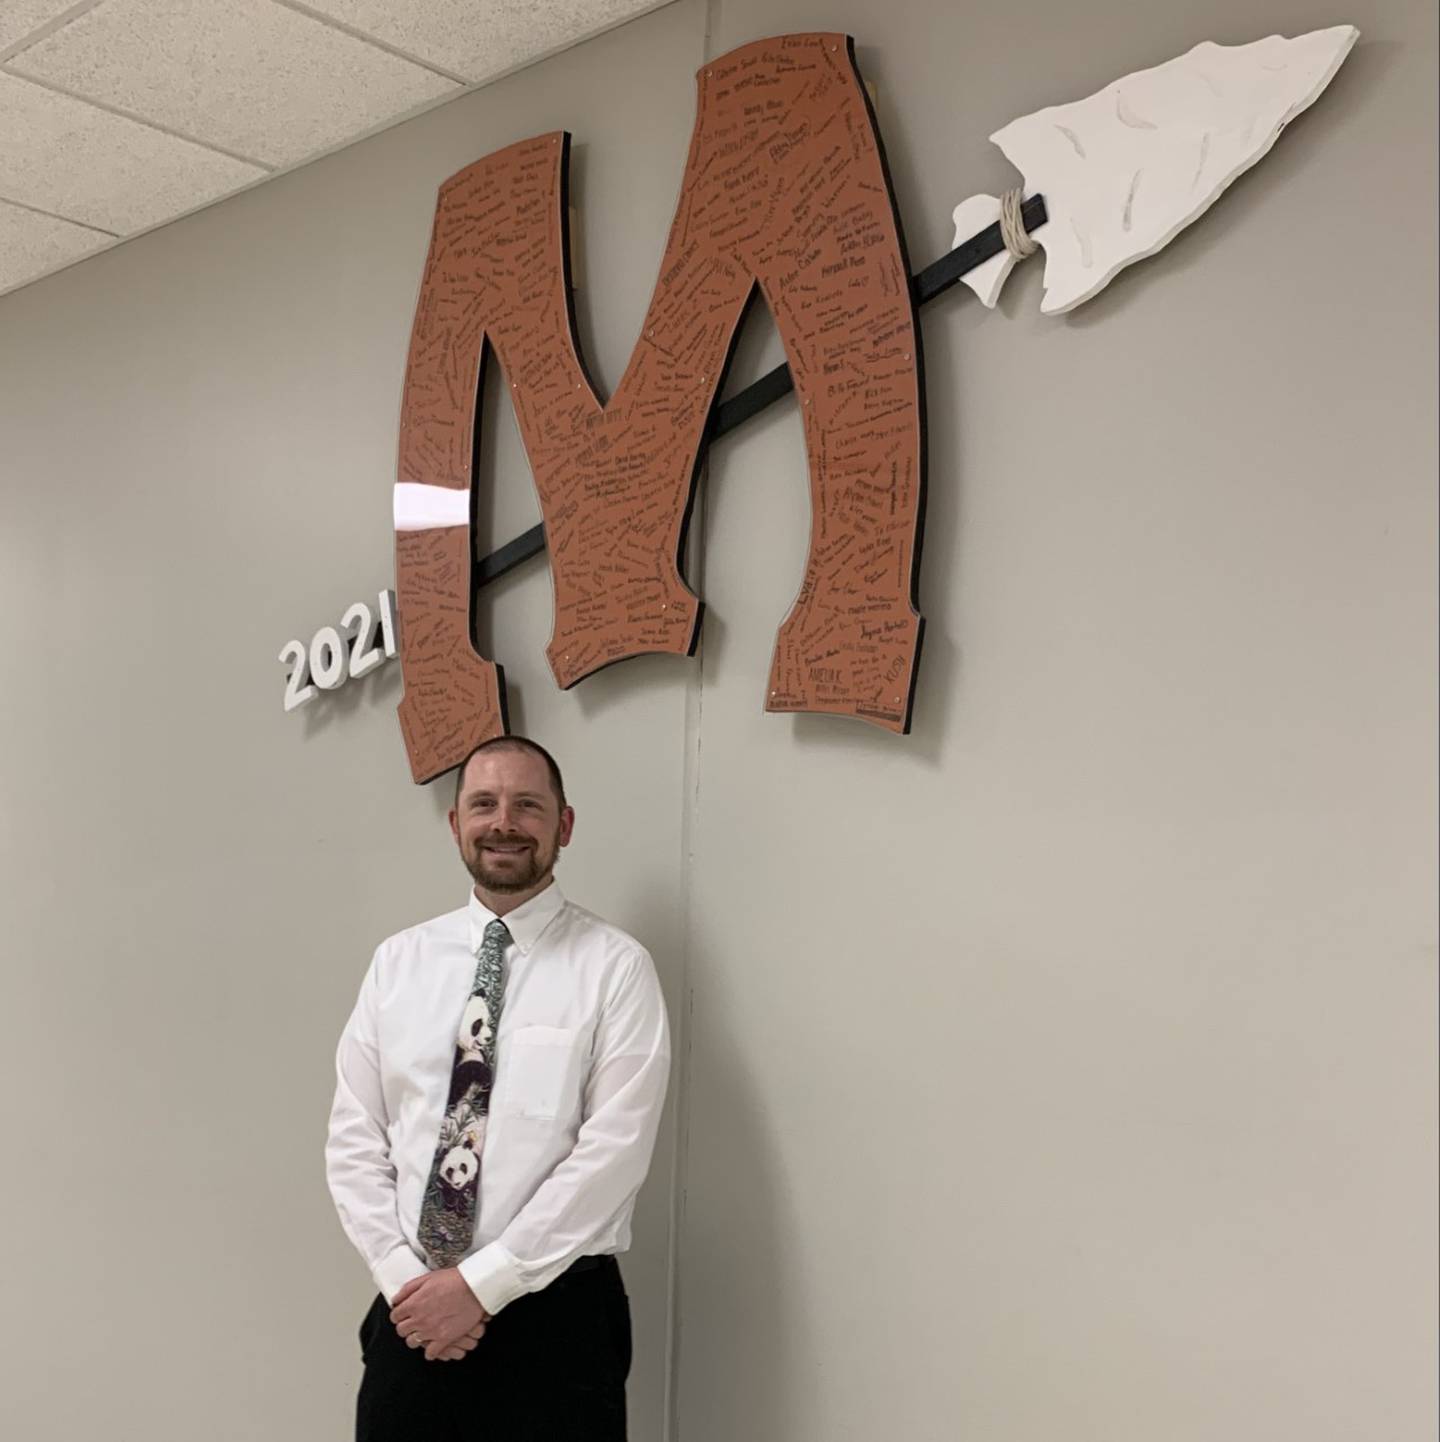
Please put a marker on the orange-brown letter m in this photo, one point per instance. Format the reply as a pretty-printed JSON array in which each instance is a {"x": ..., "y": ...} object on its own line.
[{"x": 784, "y": 188}]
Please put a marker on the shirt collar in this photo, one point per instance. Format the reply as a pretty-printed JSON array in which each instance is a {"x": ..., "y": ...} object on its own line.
[{"x": 525, "y": 923}]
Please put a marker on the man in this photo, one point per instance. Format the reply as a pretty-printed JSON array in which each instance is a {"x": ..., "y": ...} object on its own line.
[{"x": 499, "y": 1088}]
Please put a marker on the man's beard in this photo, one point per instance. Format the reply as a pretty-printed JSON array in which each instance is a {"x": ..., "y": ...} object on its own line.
[{"x": 519, "y": 876}]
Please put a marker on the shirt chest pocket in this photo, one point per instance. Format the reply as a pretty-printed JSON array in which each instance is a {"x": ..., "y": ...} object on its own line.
[{"x": 540, "y": 1073}]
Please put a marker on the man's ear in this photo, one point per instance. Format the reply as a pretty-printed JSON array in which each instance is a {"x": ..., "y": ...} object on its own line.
[
  {"x": 455, "y": 825},
  {"x": 567, "y": 825}
]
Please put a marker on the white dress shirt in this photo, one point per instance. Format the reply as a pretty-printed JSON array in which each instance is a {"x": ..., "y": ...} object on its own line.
[{"x": 582, "y": 1060}]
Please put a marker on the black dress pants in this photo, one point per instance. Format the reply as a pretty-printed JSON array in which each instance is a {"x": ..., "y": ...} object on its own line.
[{"x": 550, "y": 1368}]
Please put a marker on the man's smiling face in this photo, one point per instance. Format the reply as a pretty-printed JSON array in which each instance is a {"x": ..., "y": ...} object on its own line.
[{"x": 508, "y": 823}]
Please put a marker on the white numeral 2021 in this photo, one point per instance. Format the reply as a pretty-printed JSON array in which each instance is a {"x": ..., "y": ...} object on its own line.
[{"x": 337, "y": 654}]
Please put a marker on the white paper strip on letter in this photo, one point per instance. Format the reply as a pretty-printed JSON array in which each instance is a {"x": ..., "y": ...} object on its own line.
[
  {"x": 424, "y": 508},
  {"x": 1125, "y": 171}
]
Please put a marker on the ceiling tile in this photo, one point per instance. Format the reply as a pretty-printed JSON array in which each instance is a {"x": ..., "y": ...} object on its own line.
[
  {"x": 19, "y": 18},
  {"x": 254, "y": 77},
  {"x": 31, "y": 244},
  {"x": 482, "y": 38},
  {"x": 100, "y": 169}
]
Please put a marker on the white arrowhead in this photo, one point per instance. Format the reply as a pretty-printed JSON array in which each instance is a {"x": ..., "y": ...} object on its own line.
[{"x": 1126, "y": 170}]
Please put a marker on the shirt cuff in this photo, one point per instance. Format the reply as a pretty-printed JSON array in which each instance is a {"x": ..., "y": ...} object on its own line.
[
  {"x": 396, "y": 1268},
  {"x": 493, "y": 1275}
]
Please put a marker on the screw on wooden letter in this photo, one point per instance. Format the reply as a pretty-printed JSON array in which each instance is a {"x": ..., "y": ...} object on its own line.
[{"x": 785, "y": 187}]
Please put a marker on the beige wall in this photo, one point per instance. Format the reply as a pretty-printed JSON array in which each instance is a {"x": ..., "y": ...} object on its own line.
[{"x": 1066, "y": 1069}]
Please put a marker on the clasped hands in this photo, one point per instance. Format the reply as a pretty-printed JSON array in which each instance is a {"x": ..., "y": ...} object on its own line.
[{"x": 440, "y": 1313}]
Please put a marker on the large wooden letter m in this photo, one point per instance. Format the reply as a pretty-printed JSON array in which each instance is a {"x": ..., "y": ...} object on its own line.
[{"x": 785, "y": 188}]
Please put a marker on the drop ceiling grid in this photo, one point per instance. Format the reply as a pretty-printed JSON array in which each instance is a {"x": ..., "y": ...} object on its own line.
[
  {"x": 119, "y": 115},
  {"x": 30, "y": 239},
  {"x": 24, "y": 21},
  {"x": 249, "y": 76},
  {"x": 481, "y": 39},
  {"x": 95, "y": 168}
]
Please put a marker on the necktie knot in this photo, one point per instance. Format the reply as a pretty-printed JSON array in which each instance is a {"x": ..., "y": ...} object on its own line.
[{"x": 497, "y": 933}]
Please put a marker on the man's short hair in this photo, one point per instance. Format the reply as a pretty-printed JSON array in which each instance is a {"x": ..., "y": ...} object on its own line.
[{"x": 516, "y": 743}]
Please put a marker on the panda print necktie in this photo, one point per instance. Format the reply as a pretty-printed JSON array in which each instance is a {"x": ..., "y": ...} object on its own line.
[{"x": 447, "y": 1213}]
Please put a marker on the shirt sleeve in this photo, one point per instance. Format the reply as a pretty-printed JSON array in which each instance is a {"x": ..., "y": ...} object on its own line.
[
  {"x": 623, "y": 1098},
  {"x": 357, "y": 1152}
]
